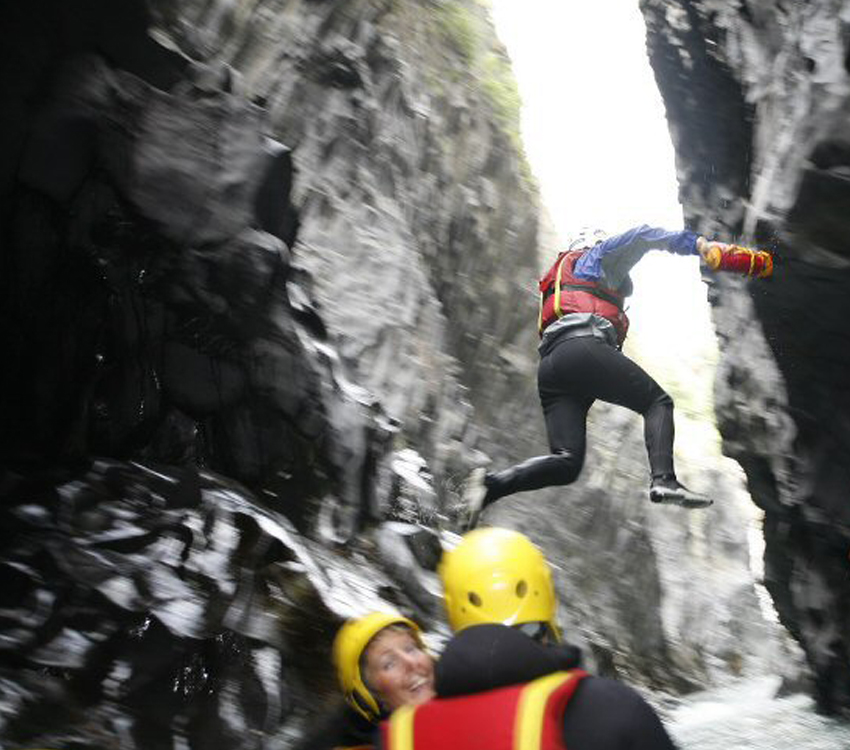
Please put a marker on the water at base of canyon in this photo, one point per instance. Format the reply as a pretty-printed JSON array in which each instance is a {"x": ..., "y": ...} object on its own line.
[{"x": 746, "y": 715}]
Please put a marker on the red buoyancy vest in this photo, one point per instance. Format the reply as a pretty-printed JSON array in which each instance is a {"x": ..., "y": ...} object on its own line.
[
  {"x": 519, "y": 717},
  {"x": 561, "y": 293}
]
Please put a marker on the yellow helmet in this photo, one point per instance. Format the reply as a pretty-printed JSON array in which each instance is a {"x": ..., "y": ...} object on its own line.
[
  {"x": 498, "y": 576},
  {"x": 350, "y": 643}
]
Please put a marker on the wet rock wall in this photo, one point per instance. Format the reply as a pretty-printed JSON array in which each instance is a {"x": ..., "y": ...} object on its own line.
[
  {"x": 422, "y": 232},
  {"x": 152, "y": 315},
  {"x": 411, "y": 192},
  {"x": 147, "y": 232},
  {"x": 758, "y": 99}
]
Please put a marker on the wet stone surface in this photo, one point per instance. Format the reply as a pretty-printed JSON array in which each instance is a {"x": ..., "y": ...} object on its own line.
[{"x": 143, "y": 603}]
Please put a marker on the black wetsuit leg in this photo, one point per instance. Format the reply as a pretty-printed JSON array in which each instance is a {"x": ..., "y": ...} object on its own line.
[
  {"x": 571, "y": 376},
  {"x": 609, "y": 375}
]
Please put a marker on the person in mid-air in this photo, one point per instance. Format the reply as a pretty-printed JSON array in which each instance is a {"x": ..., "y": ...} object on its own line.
[
  {"x": 582, "y": 325},
  {"x": 505, "y": 680}
]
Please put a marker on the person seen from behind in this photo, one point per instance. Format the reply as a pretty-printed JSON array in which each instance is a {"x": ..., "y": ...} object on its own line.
[{"x": 505, "y": 681}]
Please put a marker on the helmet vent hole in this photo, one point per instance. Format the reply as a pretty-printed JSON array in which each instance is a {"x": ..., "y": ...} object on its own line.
[
  {"x": 521, "y": 589},
  {"x": 474, "y": 599}
]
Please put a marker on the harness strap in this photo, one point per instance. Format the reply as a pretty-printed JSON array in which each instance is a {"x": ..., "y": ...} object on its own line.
[
  {"x": 401, "y": 728},
  {"x": 597, "y": 292},
  {"x": 540, "y": 312},
  {"x": 558, "y": 286},
  {"x": 611, "y": 297}
]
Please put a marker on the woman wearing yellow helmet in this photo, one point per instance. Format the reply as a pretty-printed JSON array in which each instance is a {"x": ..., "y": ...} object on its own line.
[{"x": 381, "y": 664}]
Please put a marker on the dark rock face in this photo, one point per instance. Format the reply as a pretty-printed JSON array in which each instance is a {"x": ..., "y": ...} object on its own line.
[
  {"x": 152, "y": 604},
  {"x": 152, "y": 313},
  {"x": 158, "y": 226},
  {"x": 757, "y": 101}
]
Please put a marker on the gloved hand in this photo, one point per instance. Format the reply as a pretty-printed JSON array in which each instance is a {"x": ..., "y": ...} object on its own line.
[
  {"x": 704, "y": 247},
  {"x": 719, "y": 256}
]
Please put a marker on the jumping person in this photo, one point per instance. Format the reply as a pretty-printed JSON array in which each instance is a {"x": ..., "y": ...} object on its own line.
[
  {"x": 582, "y": 325},
  {"x": 502, "y": 682}
]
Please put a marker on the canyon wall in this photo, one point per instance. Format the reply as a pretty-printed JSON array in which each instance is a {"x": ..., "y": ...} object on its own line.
[{"x": 758, "y": 102}]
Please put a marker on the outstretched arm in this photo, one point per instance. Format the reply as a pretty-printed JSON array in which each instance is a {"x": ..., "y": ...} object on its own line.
[{"x": 615, "y": 257}]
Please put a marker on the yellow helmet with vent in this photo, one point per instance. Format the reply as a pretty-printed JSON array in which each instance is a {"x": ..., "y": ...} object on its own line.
[
  {"x": 498, "y": 576},
  {"x": 350, "y": 643}
]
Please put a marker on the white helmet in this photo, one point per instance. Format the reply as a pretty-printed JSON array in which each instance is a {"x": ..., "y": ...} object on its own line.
[{"x": 587, "y": 237}]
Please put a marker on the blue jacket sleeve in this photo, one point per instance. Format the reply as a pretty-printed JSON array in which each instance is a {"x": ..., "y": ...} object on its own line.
[{"x": 612, "y": 259}]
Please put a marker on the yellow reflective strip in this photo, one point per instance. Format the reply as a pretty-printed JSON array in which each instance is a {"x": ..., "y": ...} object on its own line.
[
  {"x": 558, "y": 313},
  {"x": 401, "y": 728},
  {"x": 528, "y": 730}
]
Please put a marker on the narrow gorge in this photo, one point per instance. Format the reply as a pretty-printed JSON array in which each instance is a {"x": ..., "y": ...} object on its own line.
[{"x": 268, "y": 276}]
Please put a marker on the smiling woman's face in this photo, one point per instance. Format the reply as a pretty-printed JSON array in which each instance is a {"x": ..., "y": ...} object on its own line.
[{"x": 397, "y": 670}]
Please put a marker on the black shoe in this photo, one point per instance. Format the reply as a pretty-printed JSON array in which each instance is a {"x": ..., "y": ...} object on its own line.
[{"x": 669, "y": 491}]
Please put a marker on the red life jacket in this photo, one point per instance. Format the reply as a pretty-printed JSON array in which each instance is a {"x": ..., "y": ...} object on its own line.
[
  {"x": 561, "y": 293},
  {"x": 519, "y": 717}
]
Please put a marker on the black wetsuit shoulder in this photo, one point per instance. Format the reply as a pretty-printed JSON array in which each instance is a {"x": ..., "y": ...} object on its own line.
[
  {"x": 484, "y": 657},
  {"x": 605, "y": 714}
]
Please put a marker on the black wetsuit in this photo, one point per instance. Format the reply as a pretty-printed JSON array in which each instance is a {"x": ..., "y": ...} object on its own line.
[
  {"x": 340, "y": 727},
  {"x": 581, "y": 362},
  {"x": 574, "y": 371},
  {"x": 603, "y": 714}
]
